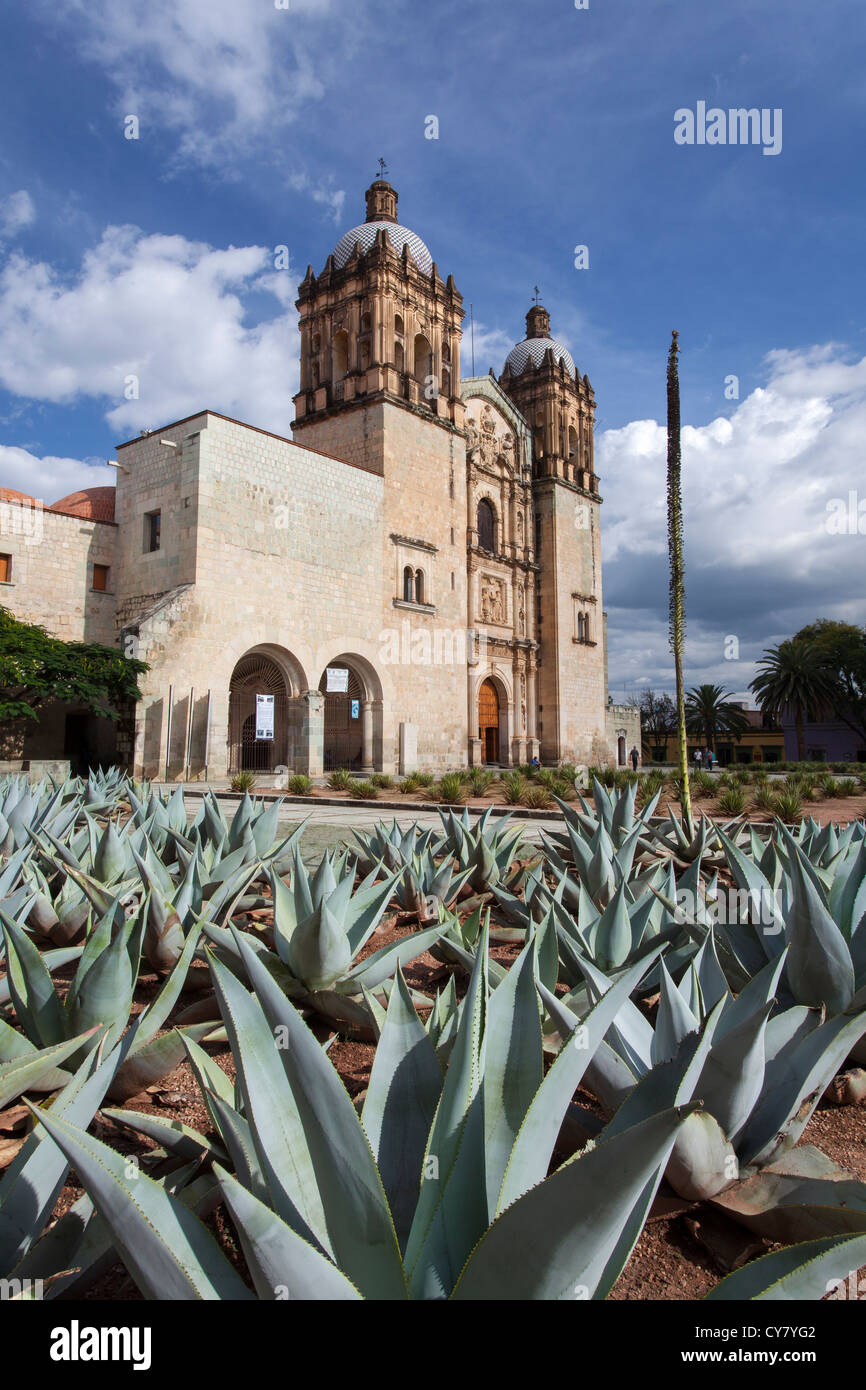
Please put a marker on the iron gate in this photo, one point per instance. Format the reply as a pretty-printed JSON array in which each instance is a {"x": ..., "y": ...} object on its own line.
[{"x": 257, "y": 675}]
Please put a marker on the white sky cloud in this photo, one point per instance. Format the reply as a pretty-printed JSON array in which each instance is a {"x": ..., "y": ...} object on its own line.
[
  {"x": 760, "y": 559},
  {"x": 171, "y": 313},
  {"x": 224, "y": 77},
  {"x": 50, "y": 478},
  {"x": 17, "y": 211}
]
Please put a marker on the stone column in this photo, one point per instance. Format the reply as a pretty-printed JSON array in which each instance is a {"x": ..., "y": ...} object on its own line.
[
  {"x": 367, "y": 737},
  {"x": 531, "y": 707},
  {"x": 311, "y": 753}
]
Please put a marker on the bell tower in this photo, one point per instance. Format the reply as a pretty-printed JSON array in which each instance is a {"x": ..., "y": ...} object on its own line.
[
  {"x": 557, "y": 403},
  {"x": 380, "y": 390},
  {"x": 377, "y": 324},
  {"x": 559, "y": 406}
]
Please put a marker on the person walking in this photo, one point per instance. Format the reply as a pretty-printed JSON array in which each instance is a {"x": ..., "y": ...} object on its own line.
[
  {"x": 697, "y": 760},
  {"x": 635, "y": 758},
  {"x": 709, "y": 759}
]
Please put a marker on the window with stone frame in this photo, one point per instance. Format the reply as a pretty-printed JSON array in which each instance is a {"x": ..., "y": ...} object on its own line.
[
  {"x": 152, "y": 531},
  {"x": 486, "y": 525}
]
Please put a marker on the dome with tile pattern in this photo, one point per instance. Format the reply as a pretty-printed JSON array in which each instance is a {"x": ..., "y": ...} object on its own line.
[
  {"x": 533, "y": 350},
  {"x": 397, "y": 235}
]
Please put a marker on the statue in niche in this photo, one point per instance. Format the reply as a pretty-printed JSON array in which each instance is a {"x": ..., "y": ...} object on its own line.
[
  {"x": 523, "y": 702},
  {"x": 472, "y": 441},
  {"x": 521, "y": 612},
  {"x": 492, "y": 606},
  {"x": 520, "y": 528}
]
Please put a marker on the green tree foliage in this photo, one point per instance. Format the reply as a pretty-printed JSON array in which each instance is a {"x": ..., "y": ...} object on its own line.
[
  {"x": 843, "y": 655},
  {"x": 37, "y": 669},
  {"x": 794, "y": 680},
  {"x": 709, "y": 712}
]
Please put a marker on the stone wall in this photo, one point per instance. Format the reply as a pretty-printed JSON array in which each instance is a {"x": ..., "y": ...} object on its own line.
[
  {"x": 419, "y": 650},
  {"x": 623, "y": 723},
  {"x": 571, "y": 675},
  {"x": 51, "y": 581}
]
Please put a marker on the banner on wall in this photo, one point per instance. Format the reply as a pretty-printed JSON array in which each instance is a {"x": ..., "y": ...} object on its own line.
[{"x": 264, "y": 716}]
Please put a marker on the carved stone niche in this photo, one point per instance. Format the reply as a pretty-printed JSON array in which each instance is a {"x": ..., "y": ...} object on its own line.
[{"x": 493, "y": 609}]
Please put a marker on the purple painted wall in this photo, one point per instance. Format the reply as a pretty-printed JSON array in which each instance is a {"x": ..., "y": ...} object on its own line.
[{"x": 828, "y": 742}]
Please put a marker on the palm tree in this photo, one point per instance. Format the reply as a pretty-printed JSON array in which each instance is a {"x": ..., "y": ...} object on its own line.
[
  {"x": 795, "y": 681},
  {"x": 710, "y": 712},
  {"x": 675, "y": 554}
]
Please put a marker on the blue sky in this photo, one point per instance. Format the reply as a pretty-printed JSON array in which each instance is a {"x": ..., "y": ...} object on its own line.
[{"x": 261, "y": 126}]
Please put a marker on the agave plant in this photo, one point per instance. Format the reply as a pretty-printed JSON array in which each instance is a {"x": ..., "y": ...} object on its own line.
[
  {"x": 321, "y": 923},
  {"x": 760, "y": 1077},
  {"x": 439, "y": 1190},
  {"x": 422, "y": 884},
  {"x": 808, "y": 895},
  {"x": 100, "y": 994},
  {"x": 488, "y": 855},
  {"x": 392, "y": 846},
  {"x": 24, "y": 808}
]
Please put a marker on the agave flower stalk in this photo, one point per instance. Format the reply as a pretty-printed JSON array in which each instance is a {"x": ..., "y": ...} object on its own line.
[{"x": 675, "y": 556}]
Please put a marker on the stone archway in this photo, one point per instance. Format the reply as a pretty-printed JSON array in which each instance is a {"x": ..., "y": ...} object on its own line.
[
  {"x": 491, "y": 718},
  {"x": 263, "y": 695},
  {"x": 488, "y": 721},
  {"x": 620, "y": 751},
  {"x": 352, "y": 715}
]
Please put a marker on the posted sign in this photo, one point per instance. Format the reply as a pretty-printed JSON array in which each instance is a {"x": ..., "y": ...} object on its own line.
[
  {"x": 338, "y": 680},
  {"x": 264, "y": 716}
]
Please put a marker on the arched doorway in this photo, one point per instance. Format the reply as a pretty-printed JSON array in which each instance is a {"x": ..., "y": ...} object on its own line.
[
  {"x": 353, "y": 724},
  {"x": 344, "y": 733},
  {"x": 257, "y": 675},
  {"x": 488, "y": 721},
  {"x": 620, "y": 751}
]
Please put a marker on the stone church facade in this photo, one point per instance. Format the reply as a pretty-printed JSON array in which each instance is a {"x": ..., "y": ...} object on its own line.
[{"x": 412, "y": 582}]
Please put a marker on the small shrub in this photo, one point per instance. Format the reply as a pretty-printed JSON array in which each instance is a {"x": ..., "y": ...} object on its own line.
[
  {"x": 480, "y": 780},
  {"x": 564, "y": 790},
  {"x": 243, "y": 781},
  {"x": 425, "y": 779},
  {"x": 367, "y": 791},
  {"x": 410, "y": 783},
  {"x": 300, "y": 785},
  {"x": 382, "y": 780},
  {"x": 451, "y": 788},
  {"x": 341, "y": 780},
  {"x": 765, "y": 798},
  {"x": 732, "y": 801},
  {"x": 514, "y": 784},
  {"x": 702, "y": 784},
  {"x": 847, "y": 786},
  {"x": 606, "y": 775},
  {"x": 536, "y": 797},
  {"x": 788, "y": 806},
  {"x": 546, "y": 777},
  {"x": 828, "y": 785}
]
